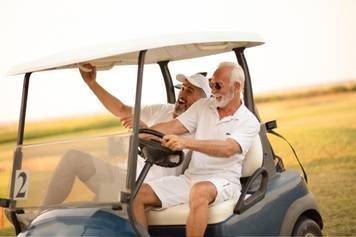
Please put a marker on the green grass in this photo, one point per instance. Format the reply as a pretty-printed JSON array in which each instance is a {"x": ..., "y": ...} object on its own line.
[
  {"x": 7, "y": 232},
  {"x": 321, "y": 128}
]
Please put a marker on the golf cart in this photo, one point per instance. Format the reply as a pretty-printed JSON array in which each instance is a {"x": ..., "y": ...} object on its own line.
[{"x": 273, "y": 201}]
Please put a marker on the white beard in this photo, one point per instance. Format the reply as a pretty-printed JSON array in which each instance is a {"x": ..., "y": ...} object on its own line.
[
  {"x": 224, "y": 100},
  {"x": 222, "y": 103}
]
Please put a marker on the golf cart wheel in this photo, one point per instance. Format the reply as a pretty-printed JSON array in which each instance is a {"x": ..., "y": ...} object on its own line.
[{"x": 306, "y": 227}]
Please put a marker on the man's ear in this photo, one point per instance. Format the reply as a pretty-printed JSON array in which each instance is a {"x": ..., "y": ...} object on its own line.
[{"x": 238, "y": 86}]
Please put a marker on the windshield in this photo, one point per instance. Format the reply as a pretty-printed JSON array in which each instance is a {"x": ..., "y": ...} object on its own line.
[{"x": 87, "y": 172}]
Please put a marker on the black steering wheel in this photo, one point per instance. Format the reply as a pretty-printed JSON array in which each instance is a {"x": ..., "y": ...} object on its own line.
[{"x": 152, "y": 150}]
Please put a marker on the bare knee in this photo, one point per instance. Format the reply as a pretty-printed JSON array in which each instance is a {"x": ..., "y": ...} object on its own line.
[
  {"x": 74, "y": 156},
  {"x": 202, "y": 194},
  {"x": 147, "y": 197},
  {"x": 79, "y": 163},
  {"x": 70, "y": 159}
]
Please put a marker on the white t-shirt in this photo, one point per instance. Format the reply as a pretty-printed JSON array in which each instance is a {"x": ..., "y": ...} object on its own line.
[
  {"x": 203, "y": 119},
  {"x": 158, "y": 113},
  {"x": 151, "y": 115}
]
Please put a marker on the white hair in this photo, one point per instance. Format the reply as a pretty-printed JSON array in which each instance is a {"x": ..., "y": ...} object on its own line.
[{"x": 237, "y": 73}]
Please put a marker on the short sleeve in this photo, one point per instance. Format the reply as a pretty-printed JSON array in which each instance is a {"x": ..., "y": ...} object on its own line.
[
  {"x": 189, "y": 119},
  {"x": 147, "y": 112},
  {"x": 246, "y": 132},
  {"x": 152, "y": 114}
]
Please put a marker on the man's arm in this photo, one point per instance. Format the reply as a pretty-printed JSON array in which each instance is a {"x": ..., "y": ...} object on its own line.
[
  {"x": 216, "y": 148},
  {"x": 114, "y": 105},
  {"x": 171, "y": 127}
]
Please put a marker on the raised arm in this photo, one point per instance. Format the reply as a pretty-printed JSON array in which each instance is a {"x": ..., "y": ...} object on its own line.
[{"x": 111, "y": 103}]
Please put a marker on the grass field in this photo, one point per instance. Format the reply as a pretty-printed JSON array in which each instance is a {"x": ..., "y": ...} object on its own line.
[
  {"x": 323, "y": 132},
  {"x": 321, "y": 128}
]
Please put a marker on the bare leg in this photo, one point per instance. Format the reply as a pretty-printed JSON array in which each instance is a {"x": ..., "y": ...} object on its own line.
[
  {"x": 145, "y": 197},
  {"x": 73, "y": 164},
  {"x": 201, "y": 195}
]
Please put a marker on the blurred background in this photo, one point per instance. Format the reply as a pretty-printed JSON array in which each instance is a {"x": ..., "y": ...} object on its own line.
[{"x": 304, "y": 76}]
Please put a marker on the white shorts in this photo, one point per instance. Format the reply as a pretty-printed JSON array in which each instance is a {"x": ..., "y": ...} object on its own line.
[
  {"x": 175, "y": 190},
  {"x": 156, "y": 171}
]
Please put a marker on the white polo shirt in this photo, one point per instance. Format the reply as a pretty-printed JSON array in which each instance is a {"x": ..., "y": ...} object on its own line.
[{"x": 203, "y": 119}]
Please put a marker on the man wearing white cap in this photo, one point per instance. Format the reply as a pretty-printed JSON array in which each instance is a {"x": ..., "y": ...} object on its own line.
[
  {"x": 195, "y": 81},
  {"x": 93, "y": 172}
]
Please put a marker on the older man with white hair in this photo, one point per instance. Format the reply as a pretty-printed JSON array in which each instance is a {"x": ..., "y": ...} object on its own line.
[{"x": 224, "y": 130}]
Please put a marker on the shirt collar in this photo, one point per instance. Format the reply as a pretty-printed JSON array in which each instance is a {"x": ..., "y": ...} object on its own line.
[{"x": 238, "y": 113}]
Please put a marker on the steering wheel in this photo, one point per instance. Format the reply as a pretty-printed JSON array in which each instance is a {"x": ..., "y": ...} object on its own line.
[{"x": 155, "y": 152}]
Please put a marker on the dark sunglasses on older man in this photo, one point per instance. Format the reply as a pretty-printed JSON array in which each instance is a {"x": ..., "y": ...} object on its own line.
[{"x": 215, "y": 85}]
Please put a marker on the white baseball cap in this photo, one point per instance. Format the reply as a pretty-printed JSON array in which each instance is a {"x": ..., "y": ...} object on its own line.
[{"x": 197, "y": 80}]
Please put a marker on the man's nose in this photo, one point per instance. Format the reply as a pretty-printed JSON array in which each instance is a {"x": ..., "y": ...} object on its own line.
[
  {"x": 183, "y": 93},
  {"x": 182, "y": 96},
  {"x": 180, "y": 93}
]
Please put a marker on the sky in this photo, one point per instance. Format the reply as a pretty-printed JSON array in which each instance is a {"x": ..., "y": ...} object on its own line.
[{"x": 307, "y": 42}]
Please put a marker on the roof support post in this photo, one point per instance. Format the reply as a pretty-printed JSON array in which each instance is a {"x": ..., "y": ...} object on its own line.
[
  {"x": 171, "y": 97},
  {"x": 17, "y": 158},
  {"x": 131, "y": 184},
  {"x": 136, "y": 124},
  {"x": 248, "y": 94},
  {"x": 268, "y": 155}
]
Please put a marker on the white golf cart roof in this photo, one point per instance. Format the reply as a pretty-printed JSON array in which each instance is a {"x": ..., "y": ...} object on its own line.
[{"x": 160, "y": 48}]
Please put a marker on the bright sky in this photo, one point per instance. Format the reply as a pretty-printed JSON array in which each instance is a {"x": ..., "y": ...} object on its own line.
[{"x": 308, "y": 42}]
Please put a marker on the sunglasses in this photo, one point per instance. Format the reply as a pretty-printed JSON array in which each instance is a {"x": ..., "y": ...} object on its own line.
[{"x": 215, "y": 85}]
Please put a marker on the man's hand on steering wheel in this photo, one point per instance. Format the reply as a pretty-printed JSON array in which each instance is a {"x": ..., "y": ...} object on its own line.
[
  {"x": 174, "y": 142},
  {"x": 159, "y": 154}
]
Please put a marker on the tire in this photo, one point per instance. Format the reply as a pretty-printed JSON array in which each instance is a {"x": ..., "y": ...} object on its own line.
[{"x": 306, "y": 227}]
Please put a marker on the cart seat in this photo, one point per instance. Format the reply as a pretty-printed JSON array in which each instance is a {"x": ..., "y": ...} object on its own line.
[{"x": 219, "y": 212}]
